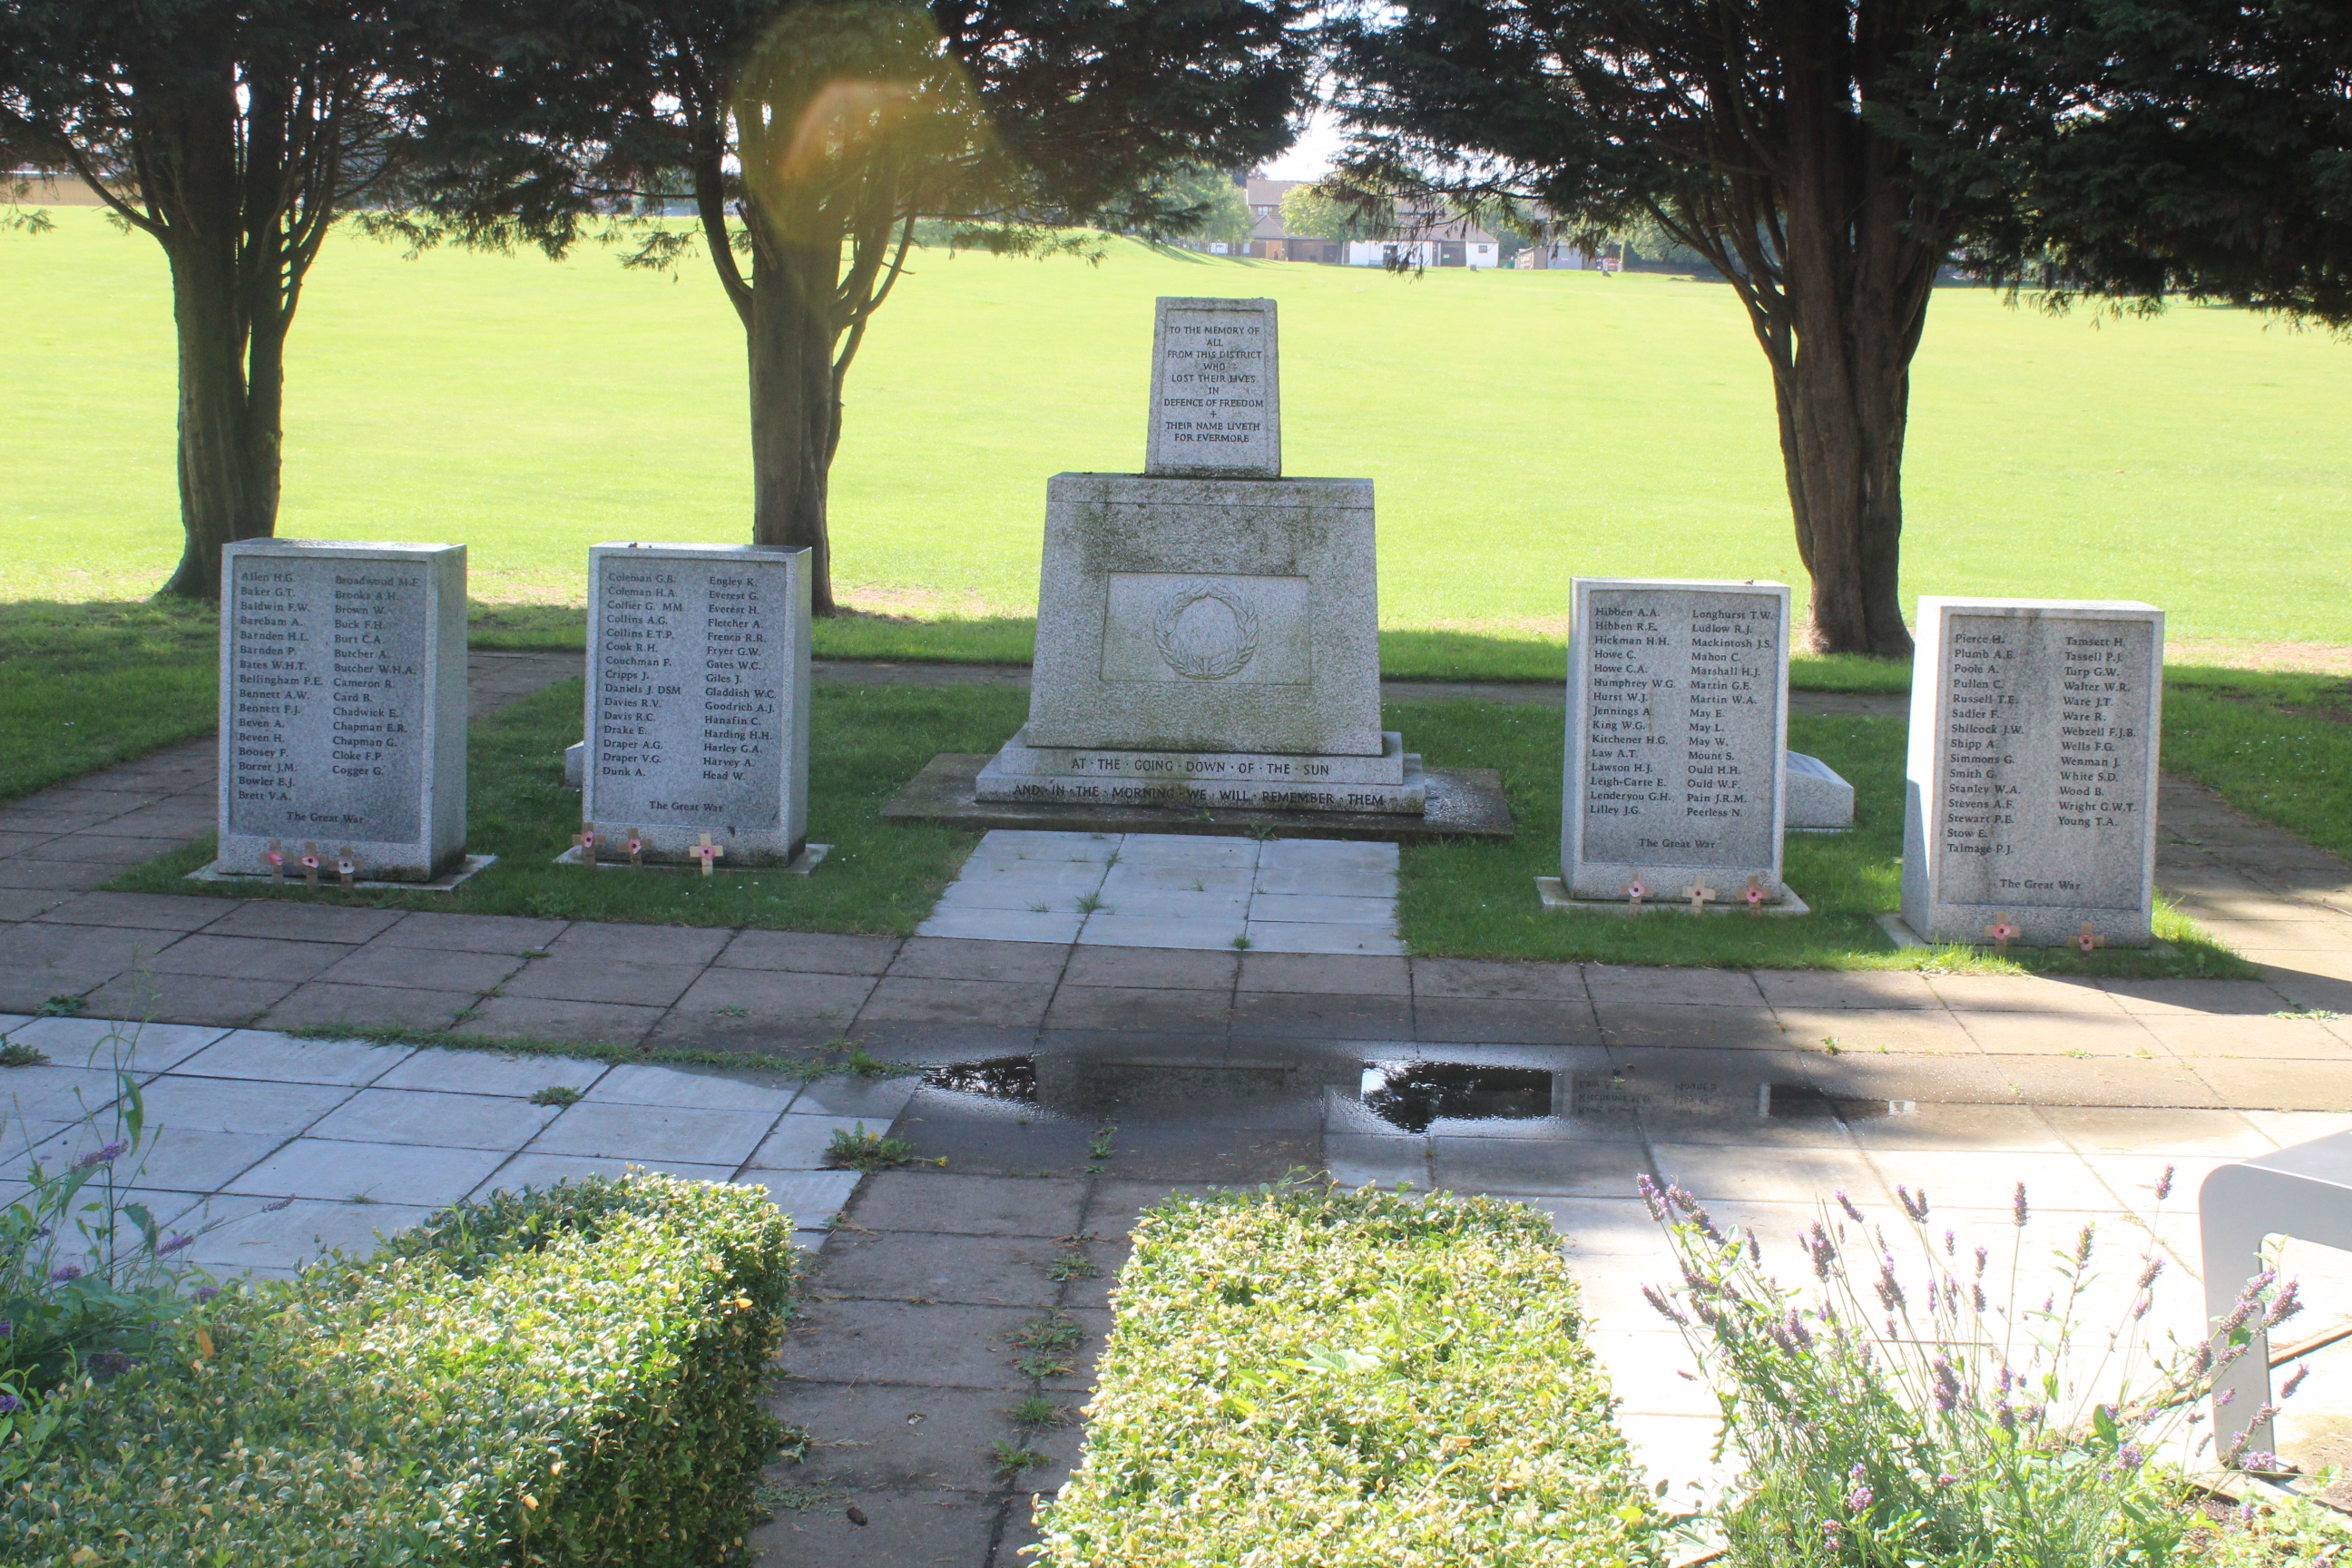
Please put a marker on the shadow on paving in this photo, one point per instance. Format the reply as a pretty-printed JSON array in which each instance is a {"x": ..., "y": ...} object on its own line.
[{"x": 941, "y": 1304}]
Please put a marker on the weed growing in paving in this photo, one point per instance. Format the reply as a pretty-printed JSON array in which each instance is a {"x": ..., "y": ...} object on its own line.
[
  {"x": 1035, "y": 1413},
  {"x": 859, "y": 1150},
  {"x": 16, "y": 1053},
  {"x": 556, "y": 1094},
  {"x": 1968, "y": 1431},
  {"x": 1015, "y": 1458},
  {"x": 1073, "y": 1266},
  {"x": 61, "y": 1007}
]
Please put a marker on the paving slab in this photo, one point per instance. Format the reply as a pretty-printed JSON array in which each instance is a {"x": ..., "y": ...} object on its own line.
[
  {"x": 548, "y": 1019},
  {"x": 98, "y": 1042},
  {"x": 433, "y": 1117},
  {"x": 185, "y": 998},
  {"x": 369, "y": 1172},
  {"x": 325, "y": 1004},
  {"x": 452, "y": 933},
  {"x": 266, "y": 1054},
  {"x": 656, "y": 1132},
  {"x": 968, "y": 1206},
  {"x": 484, "y": 1072}
]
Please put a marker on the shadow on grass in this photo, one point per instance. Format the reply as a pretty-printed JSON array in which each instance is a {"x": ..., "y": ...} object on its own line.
[
  {"x": 93, "y": 684},
  {"x": 1478, "y": 899},
  {"x": 867, "y": 740}
]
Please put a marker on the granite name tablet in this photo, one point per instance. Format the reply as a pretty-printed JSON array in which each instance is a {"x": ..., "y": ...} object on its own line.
[
  {"x": 698, "y": 706},
  {"x": 1216, "y": 406},
  {"x": 342, "y": 701},
  {"x": 2033, "y": 772},
  {"x": 1678, "y": 716}
]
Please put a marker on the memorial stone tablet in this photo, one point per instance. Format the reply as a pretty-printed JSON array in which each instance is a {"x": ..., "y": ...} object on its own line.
[
  {"x": 697, "y": 701},
  {"x": 343, "y": 707},
  {"x": 1678, "y": 716},
  {"x": 2033, "y": 771},
  {"x": 1216, "y": 410}
]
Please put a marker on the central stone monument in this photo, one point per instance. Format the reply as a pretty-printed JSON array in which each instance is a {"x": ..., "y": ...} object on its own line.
[{"x": 1208, "y": 631}]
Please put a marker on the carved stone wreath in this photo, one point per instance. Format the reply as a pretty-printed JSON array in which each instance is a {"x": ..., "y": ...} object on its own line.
[{"x": 1186, "y": 656}]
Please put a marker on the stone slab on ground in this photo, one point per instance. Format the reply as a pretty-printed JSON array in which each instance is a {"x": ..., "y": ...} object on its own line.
[
  {"x": 1462, "y": 803},
  {"x": 342, "y": 675},
  {"x": 2031, "y": 775},
  {"x": 698, "y": 707},
  {"x": 1678, "y": 726}
]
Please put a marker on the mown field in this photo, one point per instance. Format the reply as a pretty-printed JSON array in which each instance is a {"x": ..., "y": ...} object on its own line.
[{"x": 1523, "y": 427}]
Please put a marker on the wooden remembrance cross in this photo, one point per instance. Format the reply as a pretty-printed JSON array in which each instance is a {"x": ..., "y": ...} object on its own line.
[{"x": 707, "y": 852}]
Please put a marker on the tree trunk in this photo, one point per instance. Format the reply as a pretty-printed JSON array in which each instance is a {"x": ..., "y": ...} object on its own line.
[
  {"x": 795, "y": 415},
  {"x": 231, "y": 353},
  {"x": 1856, "y": 272}
]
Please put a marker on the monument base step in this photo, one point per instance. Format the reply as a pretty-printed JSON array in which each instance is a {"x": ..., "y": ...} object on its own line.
[
  {"x": 1462, "y": 803},
  {"x": 1555, "y": 898},
  {"x": 1898, "y": 931},
  {"x": 801, "y": 865},
  {"x": 218, "y": 872},
  {"x": 996, "y": 784}
]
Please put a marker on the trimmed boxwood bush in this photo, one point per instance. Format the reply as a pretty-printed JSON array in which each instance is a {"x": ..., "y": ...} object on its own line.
[
  {"x": 1312, "y": 1377},
  {"x": 564, "y": 1377}
]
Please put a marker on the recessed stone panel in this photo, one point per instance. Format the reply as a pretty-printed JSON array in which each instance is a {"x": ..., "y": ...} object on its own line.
[
  {"x": 2033, "y": 771},
  {"x": 1183, "y": 626},
  {"x": 343, "y": 707},
  {"x": 1677, "y": 717},
  {"x": 697, "y": 701},
  {"x": 1216, "y": 409},
  {"x": 1209, "y": 615}
]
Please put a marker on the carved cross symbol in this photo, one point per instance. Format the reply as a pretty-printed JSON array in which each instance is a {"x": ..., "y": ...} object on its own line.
[
  {"x": 1698, "y": 893},
  {"x": 311, "y": 865},
  {"x": 1635, "y": 892},
  {"x": 635, "y": 845},
  {"x": 1754, "y": 894},
  {"x": 707, "y": 852},
  {"x": 2001, "y": 930},
  {"x": 2087, "y": 938},
  {"x": 277, "y": 859},
  {"x": 585, "y": 841},
  {"x": 344, "y": 865}
]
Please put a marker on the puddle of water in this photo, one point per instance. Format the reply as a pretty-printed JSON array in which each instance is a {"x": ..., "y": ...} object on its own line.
[
  {"x": 1077, "y": 1084},
  {"x": 1010, "y": 1078},
  {"x": 1804, "y": 1102},
  {"x": 1412, "y": 1095}
]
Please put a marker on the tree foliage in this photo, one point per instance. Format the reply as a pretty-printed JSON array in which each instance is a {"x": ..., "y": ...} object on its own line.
[
  {"x": 233, "y": 132},
  {"x": 811, "y": 136},
  {"x": 2155, "y": 148},
  {"x": 1763, "y": 135},
  {"x": 1311, "y": 212}
]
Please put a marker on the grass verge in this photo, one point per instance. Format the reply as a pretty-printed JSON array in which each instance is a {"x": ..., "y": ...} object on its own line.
[
  {"x": 565, "y": 1378},
  {"x": 91, "y": 684},
  {"x": 868, "y": 742},
  {"x": 1479, "y": 900},
  {"x": 1310, "y": 1377},
  {"x": 2275, "y": 744}
]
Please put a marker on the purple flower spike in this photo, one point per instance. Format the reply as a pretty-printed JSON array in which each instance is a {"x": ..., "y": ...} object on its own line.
[
  {"x": 1914, "y": 1203},
  {"x": 207, "y": 1292},
  {"x": 2294, "y": 1380},
  {"x": 2164, "y": 1184},
  {"x": 2017, "y": 1209},
  {"x": 96, "y": 1157},
  {"x": 173, "y": 1243},
  {"x": 10, "y": 1404},
  {"x": 1651, "y": 1199},
  {"x": 1846, "y": 1204},
  {"x": 70, "y": 1271}
]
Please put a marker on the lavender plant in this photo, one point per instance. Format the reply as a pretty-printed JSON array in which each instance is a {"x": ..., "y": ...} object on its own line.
[
  {"x": 89, "y": 1280},
  {"x": 1897, "y": 1413}
]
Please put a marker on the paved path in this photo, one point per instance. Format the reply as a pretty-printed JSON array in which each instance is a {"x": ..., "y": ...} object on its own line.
[
  {"x": 2082, "y": 1088},
  {"x": 1174, "y": 890}
]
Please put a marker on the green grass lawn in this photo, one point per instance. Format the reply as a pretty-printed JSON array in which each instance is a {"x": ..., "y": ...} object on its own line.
[
  {"x": 1523, "y": 427},
  {"x": 1478, "y": 899},
  {"x": 1462, "y": 900},
  {"x": 867, "y": 743},
  {"x": 87, "y": 685}
]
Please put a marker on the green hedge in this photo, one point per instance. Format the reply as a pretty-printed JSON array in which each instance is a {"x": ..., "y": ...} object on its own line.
[
  {"x": 1306, "y": 1376},
  {"x": 565, "y": 1377}
]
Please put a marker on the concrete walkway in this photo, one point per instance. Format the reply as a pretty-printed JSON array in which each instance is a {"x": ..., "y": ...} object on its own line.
[{"x": 904, "y": 1373}]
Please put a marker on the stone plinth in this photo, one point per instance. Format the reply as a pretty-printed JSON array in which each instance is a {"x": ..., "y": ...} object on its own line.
[
  {"x": 697, "y": 701},
  {"x": 1819, "y": 800},
  {"x": 2032, "y": 779},
  {"x": 1216, "y": 402},
  {"x": 1217, "y": 616},
  {"x": 1677, "y": 719},
  {"x": 342, "y": 701}
]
